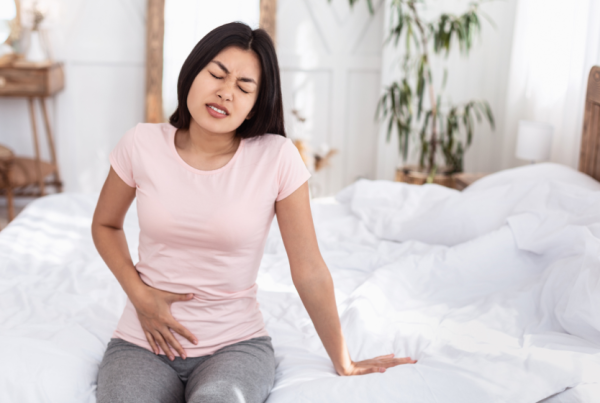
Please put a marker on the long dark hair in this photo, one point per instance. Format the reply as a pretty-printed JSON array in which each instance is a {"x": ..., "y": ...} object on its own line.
[{"x": 267, "y": 116}]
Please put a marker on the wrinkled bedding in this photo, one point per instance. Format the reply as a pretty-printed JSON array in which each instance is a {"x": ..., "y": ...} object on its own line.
[{"x": 494, "y": 290}]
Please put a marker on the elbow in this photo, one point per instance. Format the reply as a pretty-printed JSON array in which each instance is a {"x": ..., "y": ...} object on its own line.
[
  {"x": 94, "y": 230},
  {"x": 310, "y": 275}
]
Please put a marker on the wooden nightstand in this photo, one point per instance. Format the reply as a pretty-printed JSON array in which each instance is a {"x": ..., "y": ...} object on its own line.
[
  {"x": 29, "y": 174},
  {"x": 455, "y": 181},
  {"x": 463, "y": 179}
]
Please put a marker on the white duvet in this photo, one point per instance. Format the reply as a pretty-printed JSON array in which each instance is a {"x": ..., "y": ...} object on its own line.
[{"x": 494, "y": 290}]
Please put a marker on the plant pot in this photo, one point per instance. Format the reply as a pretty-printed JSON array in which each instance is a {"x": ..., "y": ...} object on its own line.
[{"x": 418, "y": 176}]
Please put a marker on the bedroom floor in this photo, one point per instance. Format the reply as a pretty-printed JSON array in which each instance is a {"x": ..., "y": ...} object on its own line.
[{"x": 4, "y": 214}]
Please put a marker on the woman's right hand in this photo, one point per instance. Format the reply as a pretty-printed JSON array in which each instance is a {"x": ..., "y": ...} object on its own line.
[{"x": 153, "y": 308}]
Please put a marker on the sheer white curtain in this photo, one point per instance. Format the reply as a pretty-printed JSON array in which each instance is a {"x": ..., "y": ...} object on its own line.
[
  {"x": 555, "y": 43},
  {"x": 186, "y": 22}
]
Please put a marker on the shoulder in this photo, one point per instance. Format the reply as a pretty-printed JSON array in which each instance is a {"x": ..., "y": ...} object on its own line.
[
  {"x": 144, "y": 135},
  {"x": 268, "y": 140},
  {"x": 151, "y": 129},
  {"x": 267, "y": 144}
]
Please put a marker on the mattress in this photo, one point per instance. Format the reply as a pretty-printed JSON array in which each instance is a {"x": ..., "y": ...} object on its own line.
[{"x": 494, "y": 290}]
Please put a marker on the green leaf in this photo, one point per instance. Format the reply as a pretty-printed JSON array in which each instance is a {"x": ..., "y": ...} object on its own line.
[
  {"x": 420, "y": 85},
  {"x": 389, "y": 129},
  {"x": 490, "y": 115}
]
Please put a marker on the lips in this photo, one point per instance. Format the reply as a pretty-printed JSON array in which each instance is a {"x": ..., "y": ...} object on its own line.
[{"x": 219, "y": 109}]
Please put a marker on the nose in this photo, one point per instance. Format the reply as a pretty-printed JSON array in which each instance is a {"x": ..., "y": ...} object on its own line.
[
  {"x": 224, "y": 97},
  {"x": 225, "y": 92}
]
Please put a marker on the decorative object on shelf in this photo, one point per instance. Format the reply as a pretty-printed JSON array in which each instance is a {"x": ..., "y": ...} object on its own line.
[
  {"x": 412, "y": 105},
  {"x": 10, "y": 31},
  {"x": 29, "y": 176},
  {"x": 323, "y": 156},
  {"x": 314, "y": 160},
  {"x": 37, "y": 45},
  {"x": 534, "y": 141}
]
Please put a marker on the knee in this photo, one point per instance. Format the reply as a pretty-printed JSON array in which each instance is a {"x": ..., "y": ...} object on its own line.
[{"x": 224, "y": 392}]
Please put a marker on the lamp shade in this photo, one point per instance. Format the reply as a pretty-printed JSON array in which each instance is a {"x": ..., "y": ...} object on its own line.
[{"x": 534, "y": 140}]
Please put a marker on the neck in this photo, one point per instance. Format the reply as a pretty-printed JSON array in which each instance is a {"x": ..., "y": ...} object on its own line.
[{"x": 197, "y": 139}]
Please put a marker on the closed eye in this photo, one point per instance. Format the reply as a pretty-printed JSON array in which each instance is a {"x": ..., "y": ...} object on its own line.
[{"x": 219, "y": 78}]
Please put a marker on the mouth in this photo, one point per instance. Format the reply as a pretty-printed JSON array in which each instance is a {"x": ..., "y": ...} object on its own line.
[{"x": 217, "y": 110}]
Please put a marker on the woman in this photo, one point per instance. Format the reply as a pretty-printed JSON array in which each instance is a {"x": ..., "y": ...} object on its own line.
[{"x": 208, "y": 185}]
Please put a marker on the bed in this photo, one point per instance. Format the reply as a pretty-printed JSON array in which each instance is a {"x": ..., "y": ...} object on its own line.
[{"x": 495, "y": 290}]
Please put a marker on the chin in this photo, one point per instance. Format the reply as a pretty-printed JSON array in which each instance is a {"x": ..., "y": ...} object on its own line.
[{"x": 210, "y": 125}]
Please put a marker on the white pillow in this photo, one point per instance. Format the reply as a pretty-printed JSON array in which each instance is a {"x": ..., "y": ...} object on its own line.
[
  {"x": 438, "y": 215},
  {"x": 537, "y": 173}
]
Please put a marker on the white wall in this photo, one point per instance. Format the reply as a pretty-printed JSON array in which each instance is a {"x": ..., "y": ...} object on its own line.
[
  {"x": 102, "y": 44},
  {"x": 330, "y": 61}
]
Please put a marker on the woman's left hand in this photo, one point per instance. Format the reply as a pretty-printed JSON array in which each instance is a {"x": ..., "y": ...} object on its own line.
[{"x": 377, "y": 364}]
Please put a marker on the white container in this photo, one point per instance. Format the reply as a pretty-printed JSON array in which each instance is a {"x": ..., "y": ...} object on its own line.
[{"x": 534, "y": 141}]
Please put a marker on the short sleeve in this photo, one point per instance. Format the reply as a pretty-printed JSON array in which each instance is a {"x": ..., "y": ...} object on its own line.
[
  {"x": 121, "y": 158},
  {"x": 292, "y": 172}
]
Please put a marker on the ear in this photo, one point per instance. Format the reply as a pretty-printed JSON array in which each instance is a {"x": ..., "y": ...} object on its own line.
[{"x": 250, "y": 115}]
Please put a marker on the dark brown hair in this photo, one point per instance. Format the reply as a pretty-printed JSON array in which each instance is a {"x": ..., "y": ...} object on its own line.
[{"x": 267, "y": 116}]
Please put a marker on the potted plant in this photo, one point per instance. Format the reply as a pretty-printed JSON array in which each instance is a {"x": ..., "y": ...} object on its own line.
[{"x": 412, "y": 105}]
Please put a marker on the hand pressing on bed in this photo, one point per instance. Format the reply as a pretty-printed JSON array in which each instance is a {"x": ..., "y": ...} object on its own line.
[
  {"x": 153, "y": 308},
  {"x": 377, "y": 364},
  {"x": 314, "y": 283}
]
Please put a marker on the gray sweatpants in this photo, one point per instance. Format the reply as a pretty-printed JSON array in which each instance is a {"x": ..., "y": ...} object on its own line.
[{"x": 240, "y": 372}]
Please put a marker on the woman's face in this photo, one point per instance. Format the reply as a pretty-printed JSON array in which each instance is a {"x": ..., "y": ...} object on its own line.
[{"x": 224, "y": 92}]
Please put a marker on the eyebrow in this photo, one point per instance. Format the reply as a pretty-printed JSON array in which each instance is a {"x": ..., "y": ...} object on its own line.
[{"x": 244, "y": 79}]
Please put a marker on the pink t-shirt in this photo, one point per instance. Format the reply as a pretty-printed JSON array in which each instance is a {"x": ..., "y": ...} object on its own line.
[{"x": 204, "y": 232}]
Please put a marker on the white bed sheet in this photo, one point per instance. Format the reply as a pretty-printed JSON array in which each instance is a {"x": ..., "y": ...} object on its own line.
[{"x": 496, "y": 292}]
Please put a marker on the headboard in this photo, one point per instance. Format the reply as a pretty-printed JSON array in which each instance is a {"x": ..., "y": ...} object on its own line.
[{"x": 589, "y": 158}]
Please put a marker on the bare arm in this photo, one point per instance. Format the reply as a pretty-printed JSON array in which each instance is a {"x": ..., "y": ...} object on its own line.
[
  {"x": 152, "y": 305},
  {"x": 107, "y": 231},
  {"x": 313, "y": 281}
]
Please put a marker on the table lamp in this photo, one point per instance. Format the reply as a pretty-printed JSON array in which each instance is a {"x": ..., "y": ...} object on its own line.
[{"x": 534, "y": 141}]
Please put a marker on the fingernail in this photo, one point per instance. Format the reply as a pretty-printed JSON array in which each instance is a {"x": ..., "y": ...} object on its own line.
[{"x": 195, "y": 341}]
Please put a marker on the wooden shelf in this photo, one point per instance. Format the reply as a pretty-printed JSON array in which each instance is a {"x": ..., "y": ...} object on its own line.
[
  {"x": 23, "y": 176},
  {"x": 24, "y": 172},
  {"x": 31, "y": 81}
]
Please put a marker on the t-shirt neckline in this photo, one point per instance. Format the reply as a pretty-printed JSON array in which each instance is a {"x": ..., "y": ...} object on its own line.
[{"x": 200, "y": 171}]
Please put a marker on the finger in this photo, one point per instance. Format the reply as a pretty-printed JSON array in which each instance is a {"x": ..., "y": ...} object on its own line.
[
  {"x": 369, "y": 370},
  {"x": 163, "y": 344},
  {"x": 183, "y": 331},
  {"x": 179, "y": 297},
  {"x": 405, "y": 360},
  {"x": 173, "y": 342},
  {"x": 396, "y": 361},
  {"x": 384, "y": 356},
  {"x": 151, "y": 342}
]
